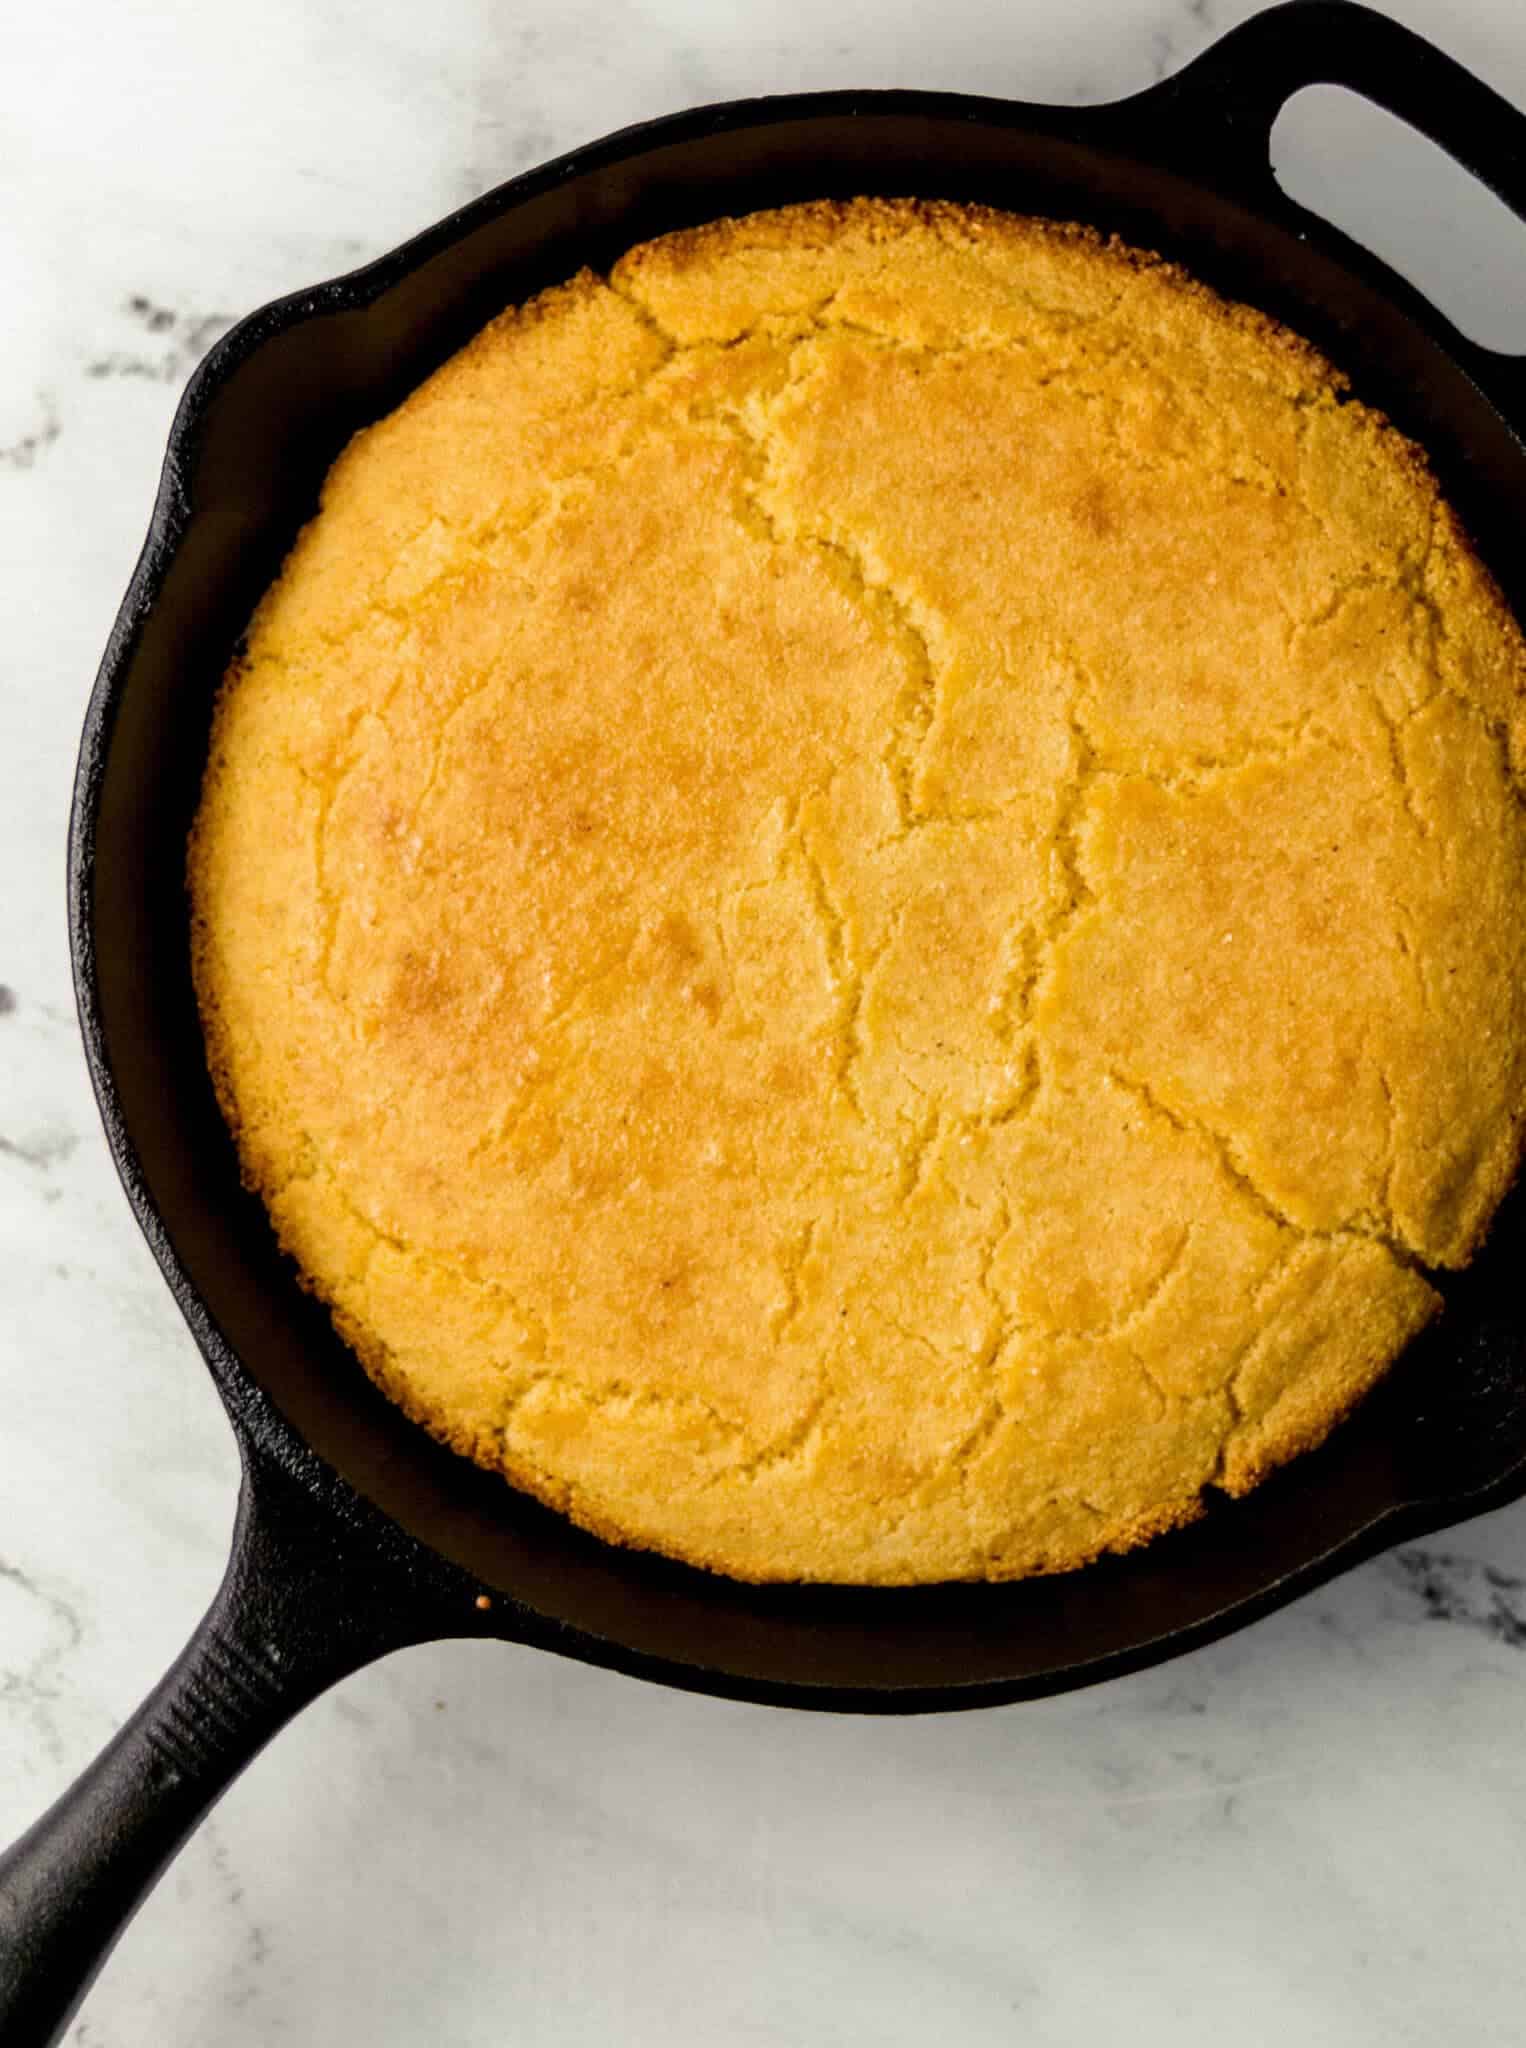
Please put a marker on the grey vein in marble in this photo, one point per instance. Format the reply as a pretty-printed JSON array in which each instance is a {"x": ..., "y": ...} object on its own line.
[
  {"x": 1179, "y": 36},
  {"x": 186, "y": 337},
  {"x": 24, "y": 453},
  {"x": 45, "y": 1150},
  {"x": 1452, "y": 1587},
  {"x": 33, "y": 1686}
]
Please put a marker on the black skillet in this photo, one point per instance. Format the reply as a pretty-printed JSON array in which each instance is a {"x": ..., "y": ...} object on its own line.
[{"x": 356, "y": 1534}]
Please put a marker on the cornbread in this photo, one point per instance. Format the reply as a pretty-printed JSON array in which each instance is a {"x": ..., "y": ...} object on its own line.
[{"x": 859, "y": 899}]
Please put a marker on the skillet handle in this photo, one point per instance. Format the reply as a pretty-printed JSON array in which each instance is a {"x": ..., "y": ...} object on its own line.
[
  {"x": 1216, "y": 117},
  {"x": 293, "y": 1615}
]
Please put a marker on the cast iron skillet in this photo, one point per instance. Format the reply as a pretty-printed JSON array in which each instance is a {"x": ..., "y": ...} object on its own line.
[{"x": 355, "y": 1533}]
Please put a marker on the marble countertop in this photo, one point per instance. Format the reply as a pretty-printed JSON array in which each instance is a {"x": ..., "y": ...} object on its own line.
[{"x": 1312, "y": 1832}]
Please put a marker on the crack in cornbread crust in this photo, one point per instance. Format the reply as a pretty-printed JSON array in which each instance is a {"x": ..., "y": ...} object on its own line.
[{"x": 716, "y": 926}]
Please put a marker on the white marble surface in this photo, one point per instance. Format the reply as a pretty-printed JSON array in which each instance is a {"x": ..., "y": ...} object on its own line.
[{"x": 1314, "y": 1832}]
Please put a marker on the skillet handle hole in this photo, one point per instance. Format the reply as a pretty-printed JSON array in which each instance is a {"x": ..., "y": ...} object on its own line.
[{"x": 1401, "y": 196}]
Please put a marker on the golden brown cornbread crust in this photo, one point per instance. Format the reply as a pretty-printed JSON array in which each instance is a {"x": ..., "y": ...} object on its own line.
[{"x": 858, "y": 902}]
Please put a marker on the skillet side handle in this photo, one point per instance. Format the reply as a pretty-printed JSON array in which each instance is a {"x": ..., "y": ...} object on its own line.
[
  {"x": 292, "y": 1616},
  {"x": 1216, "y": 117}
]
